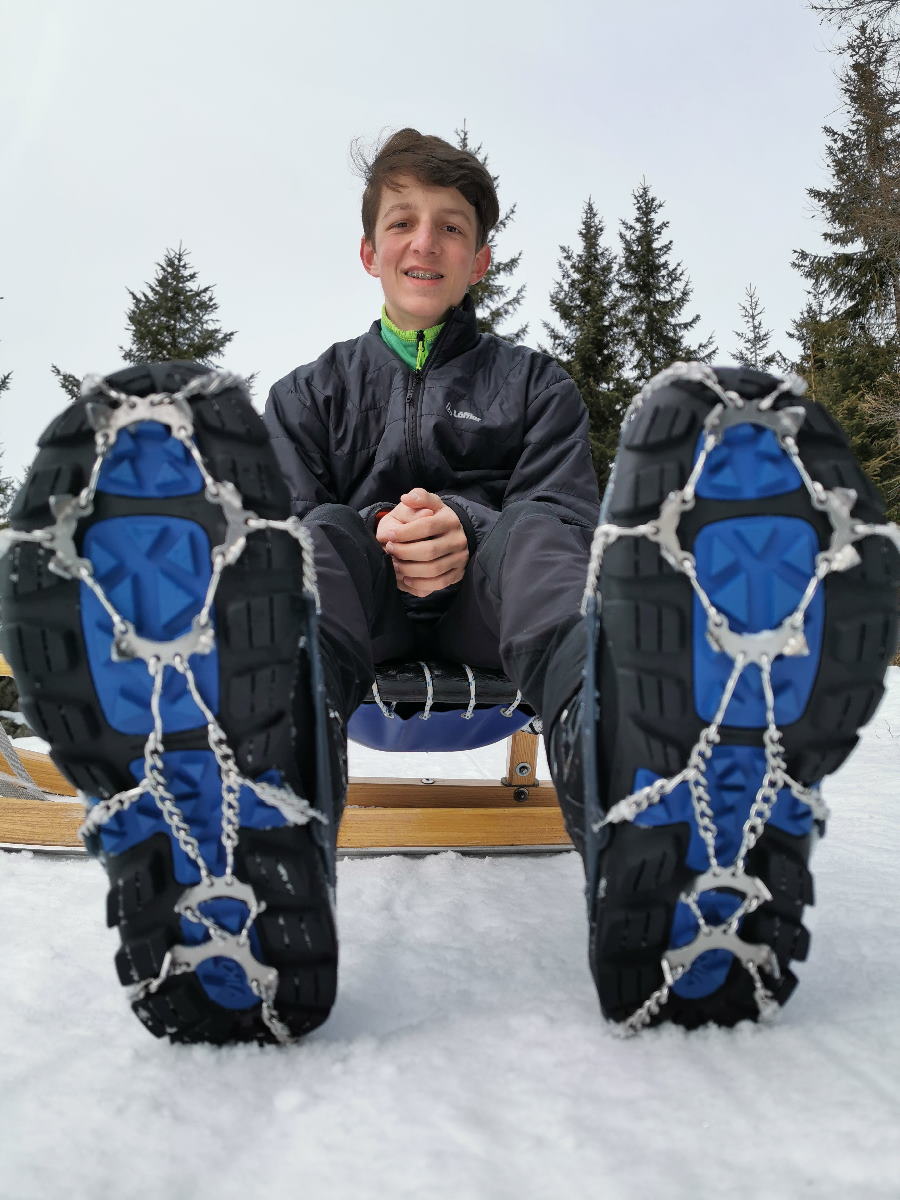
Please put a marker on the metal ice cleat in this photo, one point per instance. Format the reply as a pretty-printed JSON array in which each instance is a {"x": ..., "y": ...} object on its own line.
[
  {"x": 60, "y": 537},
  {"x": 107, "y": 418},
  {"x": 128, "y": 644},
  {"x": 663, "y": 530},
  {"x": 716, "y": 937},
  {"x": 785, "y": 422},
  {"x": 838, "y": 503},
  {"x": 180, "y": 959},
  {"x": 732, "y": 879},
  {"x": 220, "y": 887},
  {"x": 788, "y": 639},
  {"x": 238, "y": 521}
]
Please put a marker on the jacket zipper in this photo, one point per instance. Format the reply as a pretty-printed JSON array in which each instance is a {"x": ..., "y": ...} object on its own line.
[{"x": 413, "y": 393}]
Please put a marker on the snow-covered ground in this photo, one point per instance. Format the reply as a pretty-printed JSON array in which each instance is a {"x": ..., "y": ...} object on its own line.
[{"x": 466, "y": 1056}]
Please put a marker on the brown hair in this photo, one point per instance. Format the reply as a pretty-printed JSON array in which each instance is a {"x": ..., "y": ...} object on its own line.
[{"x": 433, "y": 161}]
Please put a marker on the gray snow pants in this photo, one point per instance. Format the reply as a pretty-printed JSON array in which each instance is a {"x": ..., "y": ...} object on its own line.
[{"x": 516, "y": 609}]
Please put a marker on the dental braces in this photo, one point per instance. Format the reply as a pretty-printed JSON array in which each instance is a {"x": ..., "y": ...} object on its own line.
[{"x": 759, "y": 649}]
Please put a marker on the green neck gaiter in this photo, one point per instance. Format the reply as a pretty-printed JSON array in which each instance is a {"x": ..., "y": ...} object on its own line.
[{"x": 412, "y": 345}]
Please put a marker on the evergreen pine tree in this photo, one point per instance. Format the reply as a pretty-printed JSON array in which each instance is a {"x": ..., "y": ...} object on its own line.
[
  {"x": 655, "y": 291},
  {"x": 492, "y": 297},
  {"x": 174, "y": 318},
  {"x": 849, "y": 332},
  {"x": 753, "y": 340},
  {"x": 861, "y": 207},
  {"x": 69, "y": 383},
  {"x": 883, "y": 15},
  {"x": 854, "y": 374},
  {"x": 589, "y": 343}
]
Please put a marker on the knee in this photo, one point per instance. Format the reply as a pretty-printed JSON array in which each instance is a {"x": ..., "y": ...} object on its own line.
[
  {"x": 341, "y": 516},
  {"x": 523, "y": 510}
]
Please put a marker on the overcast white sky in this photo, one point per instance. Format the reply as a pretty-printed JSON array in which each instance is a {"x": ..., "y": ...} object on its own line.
[{"x": 126, "y": 128}]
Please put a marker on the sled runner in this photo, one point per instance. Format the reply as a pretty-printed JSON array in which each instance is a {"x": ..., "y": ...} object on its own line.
[{"x": 413, "y": 707}]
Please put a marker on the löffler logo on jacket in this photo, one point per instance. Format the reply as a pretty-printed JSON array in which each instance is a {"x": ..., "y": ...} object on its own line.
[{"x": 455, "y": 412}]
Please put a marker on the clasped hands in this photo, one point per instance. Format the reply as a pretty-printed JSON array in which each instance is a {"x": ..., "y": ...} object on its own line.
[{"x": 426, "y": 542}]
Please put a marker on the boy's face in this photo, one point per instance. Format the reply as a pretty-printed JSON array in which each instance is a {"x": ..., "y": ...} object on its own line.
[{"x": 423, "y": 251}]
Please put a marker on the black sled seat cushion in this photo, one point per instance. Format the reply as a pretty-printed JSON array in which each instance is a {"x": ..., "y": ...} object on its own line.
[{"x": 437, "y": 706}]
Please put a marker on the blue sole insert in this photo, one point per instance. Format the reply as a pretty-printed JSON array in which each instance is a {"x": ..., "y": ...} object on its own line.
[
  {"x": 734, "y": 775},
  {"x": 155, "y": 571},
  {"x": 146, "y": 461},
  {"x": 748, "y": 464},
  {"x": 192, "y": 777},
  {"x": 755, "y": 571}
]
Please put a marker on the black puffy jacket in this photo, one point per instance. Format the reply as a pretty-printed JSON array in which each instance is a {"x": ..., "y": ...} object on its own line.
[{"x": 483, "y": 424}]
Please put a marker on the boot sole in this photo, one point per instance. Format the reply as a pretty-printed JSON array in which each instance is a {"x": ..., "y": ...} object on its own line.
[
  {"x": 148, "y": 540},
  {"x": 754, "y": 533}
]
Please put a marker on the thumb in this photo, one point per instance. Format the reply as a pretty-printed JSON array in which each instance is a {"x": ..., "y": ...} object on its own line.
[{"x": 420, "y": 498}]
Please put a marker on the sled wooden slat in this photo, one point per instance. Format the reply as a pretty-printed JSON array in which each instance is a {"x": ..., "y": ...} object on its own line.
[
  {"x": 40, "y": 823},
  {"x": 444, "y": 793},
  {"x": 420, "y": 828},
  {"x": 364, "y": 827}
]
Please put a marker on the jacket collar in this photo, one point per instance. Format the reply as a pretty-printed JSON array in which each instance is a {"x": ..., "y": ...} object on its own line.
[{"x": 460, "y": 333}]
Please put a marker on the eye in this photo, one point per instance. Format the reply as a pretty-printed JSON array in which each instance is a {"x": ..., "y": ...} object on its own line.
[
  {"x": 398, "y": 225},
  {"x": 453, "y": 228}
]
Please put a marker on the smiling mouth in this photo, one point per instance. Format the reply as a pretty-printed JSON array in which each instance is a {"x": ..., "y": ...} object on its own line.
[{"x": 422, "y": 274}]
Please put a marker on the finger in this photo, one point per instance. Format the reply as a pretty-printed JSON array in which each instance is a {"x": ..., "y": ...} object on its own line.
[
  {"x": 420, "y": 498},
  {"x": 431, "y": 570},
  {"x": 429, "y": 527},
  {"x": 407, "y": 512},
  {"x": 390, "y": 525},
  {"x": 425, "y": 587},
  {"x": 427, "y": 550}
]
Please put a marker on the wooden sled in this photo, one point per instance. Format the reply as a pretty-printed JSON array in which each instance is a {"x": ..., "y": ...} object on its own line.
[{"x": 382, "y": 815}]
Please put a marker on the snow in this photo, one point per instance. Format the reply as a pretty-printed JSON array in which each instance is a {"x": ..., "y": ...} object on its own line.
[{"x": 466, "y": 1056}]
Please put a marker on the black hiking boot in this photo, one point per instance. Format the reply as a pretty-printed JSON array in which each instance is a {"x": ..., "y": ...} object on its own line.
[
  {"x": 742, "y": 614},
  {"x": 159, "y": 613}
]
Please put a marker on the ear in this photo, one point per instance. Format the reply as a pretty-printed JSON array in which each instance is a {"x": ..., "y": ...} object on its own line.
[
  {"x": 369, "y": 258},
  {"x": 481, "y": 264}
]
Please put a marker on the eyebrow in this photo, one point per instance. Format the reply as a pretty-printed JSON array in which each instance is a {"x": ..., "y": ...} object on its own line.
[{"x": 403, "y": 206}]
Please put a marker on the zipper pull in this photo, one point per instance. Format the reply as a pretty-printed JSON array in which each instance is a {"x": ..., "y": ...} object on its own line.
[{"x": 420, "y": 350}]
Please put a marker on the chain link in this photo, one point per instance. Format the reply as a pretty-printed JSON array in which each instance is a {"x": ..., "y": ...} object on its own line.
[{"x": 758, "y": 649}]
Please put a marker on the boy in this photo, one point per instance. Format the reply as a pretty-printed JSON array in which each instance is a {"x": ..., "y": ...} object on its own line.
[{"x": 192, "y": 652}]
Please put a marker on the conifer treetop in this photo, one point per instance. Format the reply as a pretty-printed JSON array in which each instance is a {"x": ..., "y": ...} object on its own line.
[
  {"x": 174, "y": 318},
  {"x": 69, "y": 383},
  {"x": 589, "y": 343},
  {"x": 861, "y": 206},
  {"x": 753, "y": 340},
  {"x": 494, "y": 302},
  {"x": 655, "y": 291}
]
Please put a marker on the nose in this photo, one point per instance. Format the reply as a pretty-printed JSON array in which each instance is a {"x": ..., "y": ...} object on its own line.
[{"x": 424, "y": 239}]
